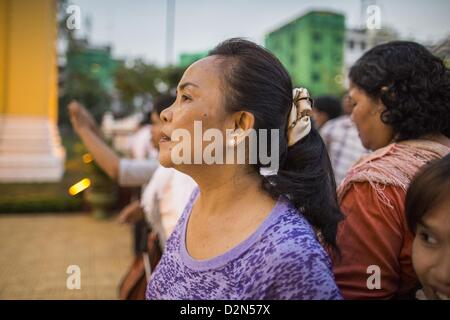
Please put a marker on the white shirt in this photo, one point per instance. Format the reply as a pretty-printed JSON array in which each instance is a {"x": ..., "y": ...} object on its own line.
[
  {"x": 164, "y": 200},
  {"x": 343, "y": 144},
  {"x": 135, "y": 173}
]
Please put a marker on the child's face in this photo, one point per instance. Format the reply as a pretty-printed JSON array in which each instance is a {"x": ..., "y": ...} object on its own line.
[{"x": 431, "y": 252}]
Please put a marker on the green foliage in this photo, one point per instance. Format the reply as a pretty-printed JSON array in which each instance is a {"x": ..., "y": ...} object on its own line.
[
  {"x": 88, "y": 91},
  {"x": 39, "y": 202},
  {"x": 143, "y": 80}
]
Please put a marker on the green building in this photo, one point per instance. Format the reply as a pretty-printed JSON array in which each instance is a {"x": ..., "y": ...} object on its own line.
[
  {"x": 93, "y": 61},
  {"x": 311, "y": 48},
  {"x": 186, "y": 59}
]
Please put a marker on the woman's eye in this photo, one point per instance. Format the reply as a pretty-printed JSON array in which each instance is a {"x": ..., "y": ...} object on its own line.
[
  {"x": 185, "y": 97},
  {"x": 428, "y": 239}
]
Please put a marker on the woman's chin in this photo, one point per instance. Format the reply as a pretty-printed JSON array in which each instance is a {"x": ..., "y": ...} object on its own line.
[{"x": 165, "y": 160}]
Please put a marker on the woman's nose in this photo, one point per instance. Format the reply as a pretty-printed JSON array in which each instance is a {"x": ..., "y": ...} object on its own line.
[{"x": 166, "y": 115}]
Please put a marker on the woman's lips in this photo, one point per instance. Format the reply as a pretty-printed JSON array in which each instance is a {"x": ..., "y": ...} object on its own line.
[{"x": 164, "y": 138}]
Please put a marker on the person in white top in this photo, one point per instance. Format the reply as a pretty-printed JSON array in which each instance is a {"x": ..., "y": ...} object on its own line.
[
  {"x": 127, "y": 172},
  {"x": 164, "y": 200},
  {"x": 342, "y": 141},
  {"x": 168, "y": 190}
]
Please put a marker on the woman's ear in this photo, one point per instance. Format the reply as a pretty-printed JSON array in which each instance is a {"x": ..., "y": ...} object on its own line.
[
  {"x": 243, "y": 120},
  {"x": 377, "y": 107}
]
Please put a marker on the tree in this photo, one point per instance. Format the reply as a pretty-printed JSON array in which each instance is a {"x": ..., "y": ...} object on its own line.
[{"x": 142, "y": 80}]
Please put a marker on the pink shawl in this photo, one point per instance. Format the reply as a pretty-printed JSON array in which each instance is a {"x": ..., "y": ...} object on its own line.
[{"x": 395, "y": 164}]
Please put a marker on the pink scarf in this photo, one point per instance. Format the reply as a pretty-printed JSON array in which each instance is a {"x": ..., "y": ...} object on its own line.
[{"x": 395, "y": 164}]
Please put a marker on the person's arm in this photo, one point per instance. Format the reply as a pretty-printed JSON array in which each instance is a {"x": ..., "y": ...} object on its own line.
[
  {"x": 135, "y": 173},
  {"x": 86, "y": 128},
  {"x": 131, "y": 213},
  {"x": 126, "y": 172},
  {"x": 103, "y": 155}
]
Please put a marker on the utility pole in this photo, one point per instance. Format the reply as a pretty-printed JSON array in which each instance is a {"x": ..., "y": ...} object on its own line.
[{"x": 170, "y": 30}]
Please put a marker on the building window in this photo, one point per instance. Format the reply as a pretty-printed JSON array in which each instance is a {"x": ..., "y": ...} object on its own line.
[
  {"x": 351, "y": 44},
  {"x": 363, "y": 46},
  {"x": 315, "y": 77},
  {"x": 316, "y": 56},
  {"x": 317, "y": 37}
]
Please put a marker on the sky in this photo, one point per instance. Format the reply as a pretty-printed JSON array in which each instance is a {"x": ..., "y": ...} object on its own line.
[{"x": 137, "y": 28}]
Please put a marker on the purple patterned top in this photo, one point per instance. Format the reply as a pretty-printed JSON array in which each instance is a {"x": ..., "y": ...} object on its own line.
[{"x": 282, "y": 259}]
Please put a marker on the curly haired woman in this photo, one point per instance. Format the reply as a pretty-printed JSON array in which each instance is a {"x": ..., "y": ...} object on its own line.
[{"x": 401, "y": 94}]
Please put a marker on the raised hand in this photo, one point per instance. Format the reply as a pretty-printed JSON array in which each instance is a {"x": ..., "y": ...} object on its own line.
[{"x": 81, "y": 118}]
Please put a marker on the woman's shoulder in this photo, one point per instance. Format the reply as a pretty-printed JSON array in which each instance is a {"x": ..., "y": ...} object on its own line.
[
  {"x": 394, "y": 165},
  {"x": 292, "y": 260}
]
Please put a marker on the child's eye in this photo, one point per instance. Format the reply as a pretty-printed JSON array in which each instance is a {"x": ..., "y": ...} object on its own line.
[{"x": 428, "y": 239}]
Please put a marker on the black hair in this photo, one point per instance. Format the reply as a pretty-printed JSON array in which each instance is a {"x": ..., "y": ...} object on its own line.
[
  {"x": 146, "y": 119},
  {"x": 163, "y": 102},
  {"x": 256, "y": 81},
  {"x": 330, "y": 105},
  {"x": 430, "y": 186},
  {"x": 413, "y": 84}
]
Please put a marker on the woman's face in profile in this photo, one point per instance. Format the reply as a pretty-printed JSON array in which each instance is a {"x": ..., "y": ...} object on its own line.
[
  {"x": 366, "y": 115},
  {"x": 200, "y": 98}
]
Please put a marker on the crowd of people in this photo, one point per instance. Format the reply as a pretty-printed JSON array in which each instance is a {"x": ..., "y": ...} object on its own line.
[{"x": 359, "y": 206}]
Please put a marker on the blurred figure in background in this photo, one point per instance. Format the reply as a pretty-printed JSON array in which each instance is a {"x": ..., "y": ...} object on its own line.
[
  {"x": 165, "y": 196},
  {"x": 343, "y": 143},
  {"x": 401, "y": 110},
  {"x": 428, "y": 213},
  {"x": 162, "y": 203},
  {"x": 127, "y": 172},
  {"x": 140, "y": 142},
  {"x": 325, "y": 108}
]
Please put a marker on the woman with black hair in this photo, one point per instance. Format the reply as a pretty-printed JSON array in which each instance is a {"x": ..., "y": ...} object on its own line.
[
  {"x": 244, "y": 235},
  {"x": 401, "y": 96}
]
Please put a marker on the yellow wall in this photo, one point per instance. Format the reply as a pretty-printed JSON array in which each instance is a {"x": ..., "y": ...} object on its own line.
[
  {"x": 30, "y": 48},
  {"x": 3, "y": 10}
]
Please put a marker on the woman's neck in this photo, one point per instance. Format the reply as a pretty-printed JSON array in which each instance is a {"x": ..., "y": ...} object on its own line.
[{"x": 221, "y": 188}]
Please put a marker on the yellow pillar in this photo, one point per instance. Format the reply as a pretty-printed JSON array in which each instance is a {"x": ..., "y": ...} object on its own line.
[
  {"x": 30, "y": 148},
  {"x": 3, "y": 15}
]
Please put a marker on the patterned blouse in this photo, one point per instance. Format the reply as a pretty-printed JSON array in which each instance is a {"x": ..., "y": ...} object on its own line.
[{"x": 282, "y": 259}]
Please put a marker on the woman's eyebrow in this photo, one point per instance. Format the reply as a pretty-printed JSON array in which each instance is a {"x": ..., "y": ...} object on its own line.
[{"x": 185, "y": 84}]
